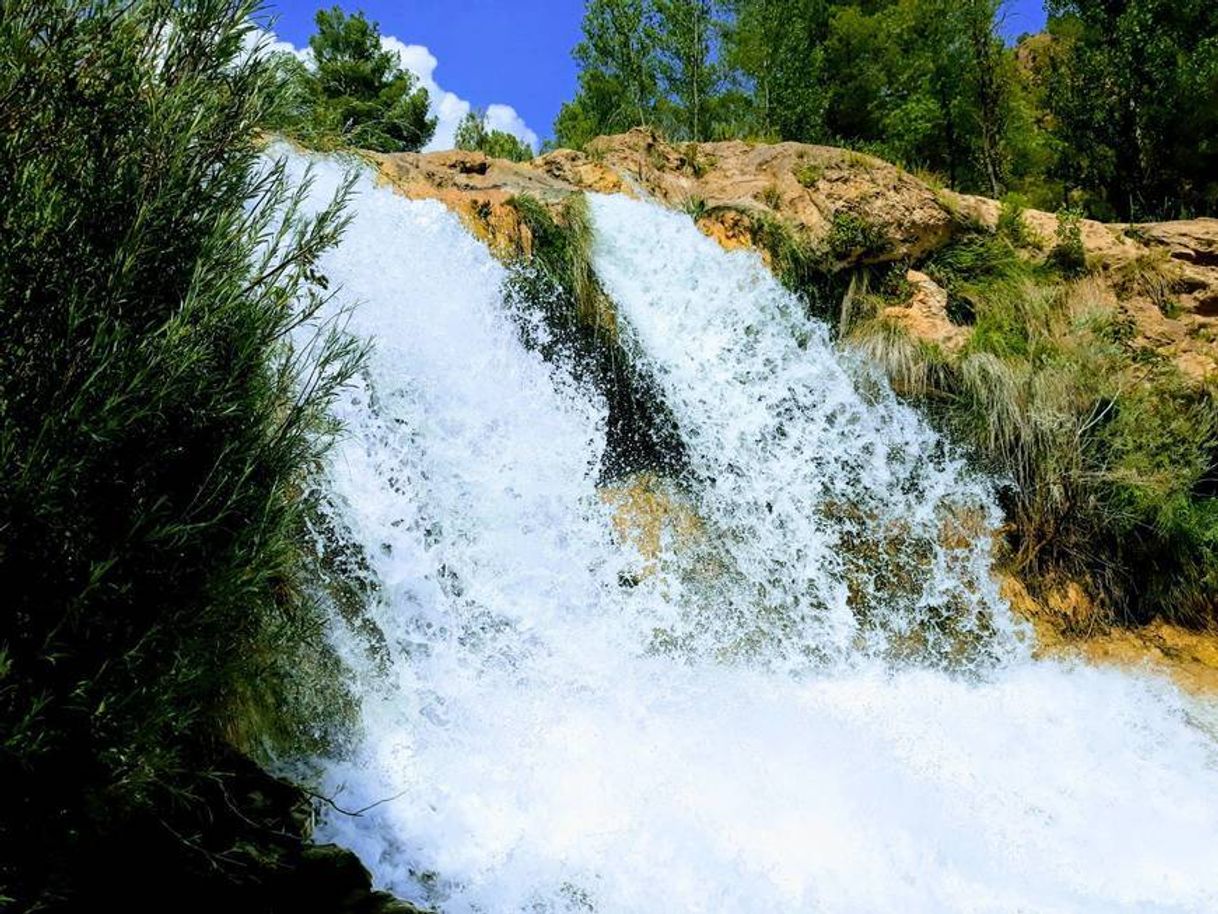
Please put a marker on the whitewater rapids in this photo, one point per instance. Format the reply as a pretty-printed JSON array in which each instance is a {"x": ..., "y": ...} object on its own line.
[{"x": 536, "y": 752}]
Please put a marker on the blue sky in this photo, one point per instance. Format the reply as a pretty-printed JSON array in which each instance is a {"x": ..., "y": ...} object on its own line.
[{"x": 504, "y": 52}]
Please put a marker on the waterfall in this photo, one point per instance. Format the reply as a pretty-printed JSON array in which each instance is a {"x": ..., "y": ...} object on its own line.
[
  {"x": 835, "y": 502},
  {"x": 781, "y": 723}
]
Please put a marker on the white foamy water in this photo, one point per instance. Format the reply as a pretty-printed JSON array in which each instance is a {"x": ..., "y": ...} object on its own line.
[
  {"x": 533, "y": 752},
  {"x": 834, "y": 505}
]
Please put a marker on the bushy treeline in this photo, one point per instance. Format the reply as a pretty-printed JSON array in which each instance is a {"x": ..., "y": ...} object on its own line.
[
  {"x": 352, "y": 91},
  {"x": 159, "y": 412},
  {"x": 475, "y": 134},
  {"x": 1114, "y": 108}
]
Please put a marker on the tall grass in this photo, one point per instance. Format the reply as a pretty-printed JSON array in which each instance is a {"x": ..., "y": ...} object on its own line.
[
  {"x": 158, "y": 413},
  {"x": 1108, "y": 454}
]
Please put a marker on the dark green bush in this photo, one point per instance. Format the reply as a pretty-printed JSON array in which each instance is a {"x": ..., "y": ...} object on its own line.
[
  {"x": 163, "y": 391},
  {"x": 852, "y": 236},
  {"x": 355, "y": 94}
]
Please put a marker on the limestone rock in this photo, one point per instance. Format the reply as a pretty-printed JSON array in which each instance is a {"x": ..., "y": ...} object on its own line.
[
  {"x": 1162, "y": 277},
  {"x": 924, "y": 315}
]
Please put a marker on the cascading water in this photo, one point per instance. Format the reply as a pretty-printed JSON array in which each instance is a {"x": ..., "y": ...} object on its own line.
[
  {"x": 834, "y": 507},
  {"x": 530, "y": 748}
]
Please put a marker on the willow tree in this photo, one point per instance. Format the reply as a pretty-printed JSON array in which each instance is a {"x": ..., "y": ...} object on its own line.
[
  {"x": 619, "y": 80},
  {"x": 778, "y": 48},
  {"x": 475, "y": 134},
  {"x": 688, "y": 67}
]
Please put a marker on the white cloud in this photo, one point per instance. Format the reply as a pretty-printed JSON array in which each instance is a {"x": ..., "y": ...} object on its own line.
[
  {"x": 506, "y": 118},
  {"x": 447, "y": 107}
]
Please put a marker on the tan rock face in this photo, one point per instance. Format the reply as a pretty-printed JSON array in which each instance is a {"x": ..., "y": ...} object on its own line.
[
  {"x": 924, "y": 315},
  {"x": 805, "y": 186},
  {"x": 475, "y": 188},
  {"x": 1163, "y": 277},
  {"x": 648, "y": 513},
  {"x": 1068, "y": 626}
]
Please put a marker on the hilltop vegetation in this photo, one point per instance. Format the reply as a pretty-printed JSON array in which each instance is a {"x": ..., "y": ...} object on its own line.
[
  {"x": 353, "y": 93},
  {"x": 474, "y": 134},
  {"x": 1113, "y": 110}
]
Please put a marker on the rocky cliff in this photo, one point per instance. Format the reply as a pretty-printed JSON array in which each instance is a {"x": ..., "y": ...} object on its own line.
[{"x": 855, "y": 208}]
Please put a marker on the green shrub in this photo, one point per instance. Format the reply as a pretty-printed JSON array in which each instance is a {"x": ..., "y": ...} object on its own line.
[
  {"x": 809, "y": 173},
  {"x": 1108, "y": 455},
  {"x": 158, "y": 285},
  {"x": 792, "y": 258},
  {"x": 1068, "y": 254},
  {"x": 697, "y": 163},
  {"x": 853, "y": 237},
  {"x": 1013, "y": 226},
  {"x": 355, "y": 93},
  {"x": 695, "y": 206},
  {"x": 981, "y": 266},
  {"x": 474, "y": 135},
  {"x": 771, "y": 196}
]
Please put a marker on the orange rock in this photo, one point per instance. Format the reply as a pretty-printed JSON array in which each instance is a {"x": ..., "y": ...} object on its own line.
[{"x": 924, "y": 315}]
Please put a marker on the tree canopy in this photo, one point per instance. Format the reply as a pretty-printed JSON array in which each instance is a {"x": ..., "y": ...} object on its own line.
[
  {"x": 475, "y": 134},
  {"x": 356, "y": 92},
  {"x": 1114, "y": 108}
]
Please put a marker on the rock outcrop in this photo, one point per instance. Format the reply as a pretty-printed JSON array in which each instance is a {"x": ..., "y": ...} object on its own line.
[{"x": 1163, "y": 276}]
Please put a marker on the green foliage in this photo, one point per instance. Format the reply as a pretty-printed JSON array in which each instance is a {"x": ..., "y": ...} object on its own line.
[
  {"x": 355, "y": 94},
  {"x": 931, "y": 85},
  {"x": 778, "y": 48},
  {"x": 1013, "y": 226},
  {"x": 1068, "y": 253},
  {"x": 690, "y": 76},
  {"x": 475, "y": 135},
  {"x": 652, "y": 63},
  {"x": 771, "y": 196},
  {"x": 619, "y": 81},
  {"x": 697, "y": 162},
  {"x": 809, "y": 173},
  {"x": 695, "y": 206},
  {"x": 976, "y": 271},
  {"x": 853, "y": 237},
  {"x": 1147, "y": 148},
  {"x": 1109, "y": 457},
  {"x": 164, "y": 383}
]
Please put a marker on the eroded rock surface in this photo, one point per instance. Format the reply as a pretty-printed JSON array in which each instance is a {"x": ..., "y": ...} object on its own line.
[{"x": 1163, "y": 277}]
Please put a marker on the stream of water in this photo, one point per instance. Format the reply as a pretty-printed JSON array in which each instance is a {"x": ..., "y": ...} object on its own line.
[{"x": 825, "y": 707}]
